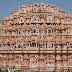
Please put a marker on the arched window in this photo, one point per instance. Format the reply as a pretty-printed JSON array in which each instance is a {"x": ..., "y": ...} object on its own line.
[
  {"x": 41, "y": 20},
  {"x": 50, "y": 44},
  {"x": 34, "y": 19},
  {"x": 27, "y": 21},
  {"x": 49, "y": 30},
  {"x": 33, "y": 43},
  {"x": 34, "y": 31},
  {"x": 0, "y": 57},
  {"x": 64, "y": 59},
  {"x": 57, "y": 20},
  {"x": 20, "y": 31},
  {"x": 33, "y": 60},
  {"x": 18, "y": 44},
  {"x": 71, "y": 44},
  {"x": 49, "y": 20},
  {"x": 21, "y": 20},
  {"x": 35, "y": 9},
  {"x": 69, "y": 31},
  {"x": 70, "y": 60},
  {"x": 69, "y": 20},
  {"x": 62, "y": 20}
]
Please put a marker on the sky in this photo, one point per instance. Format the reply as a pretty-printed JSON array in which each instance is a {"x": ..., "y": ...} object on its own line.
[{"x": 6, "y": 6}]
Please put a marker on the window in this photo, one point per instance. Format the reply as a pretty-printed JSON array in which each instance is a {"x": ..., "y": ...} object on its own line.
[
  {"x": 49, "y": 9},
  {"x": 0, "y": 44},
  {"x": 57, "y": 20},
  {"x": 27, "y": 21},
  {"x": 62, "y": 20},
  {"x": 41, "y": 20},
  {"x": 34, "y": 19},
  {"x": 49, "y": 20},
  {"x": 27, "y": 32},
  {"x": 49, "y": 30},
  {"x": 34, "y": 31},
  {"x": 70, "y": 44},
  {"x": 70, "y": 59},
  {"x": 33, "y": 43},
  {"x": 21, "y": 20},
  {"x": 69, "y": 31},
  {"x": 50, "y": 44},
  {"x": 11, "y": 23},
  {"x": 24, "y": 44},
  {"x": 18, "y": 57},
  {"x": 69, "y": 20},
  {"x": 19, "y": 31},
  {"x": 35, "y": 9},
  {"x": 64, "y": 59},
  {"x": 18, "y": 44}
]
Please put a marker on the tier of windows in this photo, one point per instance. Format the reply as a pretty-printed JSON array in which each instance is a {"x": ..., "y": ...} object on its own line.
[
  {"x": 35, "y": 20},
  {"x": 35, "y": 58},
  {"x": 35, "y": 44},
  {"x": 36, "y": 31}
]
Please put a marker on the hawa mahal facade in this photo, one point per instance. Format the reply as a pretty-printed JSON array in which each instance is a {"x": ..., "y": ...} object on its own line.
[{"x": 36, "y": 37}]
